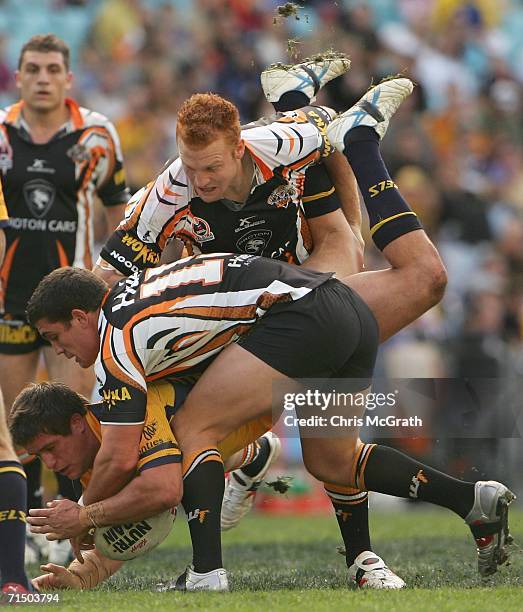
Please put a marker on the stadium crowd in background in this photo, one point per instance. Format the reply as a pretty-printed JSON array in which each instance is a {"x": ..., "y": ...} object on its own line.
[{"x": 455, "y": 148}]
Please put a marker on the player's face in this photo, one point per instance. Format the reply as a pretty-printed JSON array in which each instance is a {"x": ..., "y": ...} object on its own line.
[
  {"x": 76, "y": 339},
  {"x": 213, "y": 170},
  {"x": 65, "y": 454},
  {"x": 43, "y": 80}
]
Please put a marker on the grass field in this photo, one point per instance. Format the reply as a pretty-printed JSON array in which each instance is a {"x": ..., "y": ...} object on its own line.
[{"x": 291, "y": 563}]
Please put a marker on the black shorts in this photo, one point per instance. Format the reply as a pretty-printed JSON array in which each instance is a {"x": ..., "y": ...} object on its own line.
[
  {"x": 18, "y": 337},
  {"x": 329, "y": 333}
]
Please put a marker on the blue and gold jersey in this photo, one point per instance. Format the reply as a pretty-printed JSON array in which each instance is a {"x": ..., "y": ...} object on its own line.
[{"x": 157, "y": 444}]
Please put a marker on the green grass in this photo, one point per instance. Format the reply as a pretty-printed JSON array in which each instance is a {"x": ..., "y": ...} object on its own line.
[{"x": 291, "y": 563}]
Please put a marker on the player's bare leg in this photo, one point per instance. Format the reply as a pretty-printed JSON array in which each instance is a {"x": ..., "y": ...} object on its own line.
[
  {"x": 289, "y": 87},
  {"x": 16, "y": 371},
  {"x": 417, "y": 277}
]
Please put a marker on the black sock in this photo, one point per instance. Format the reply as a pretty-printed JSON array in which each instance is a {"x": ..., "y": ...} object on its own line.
[
  {"x": 389, "y": 214},
  {"x": 203, "y": 488},
  {"x": 13, "y": 494},
  {"x": 33, "y": 471},
  {"x": 259, "y": 459},
  {"x": 291, "y": 100},
  {"x": 391, "y": 472},
  {"x": 352, "y": 514}
]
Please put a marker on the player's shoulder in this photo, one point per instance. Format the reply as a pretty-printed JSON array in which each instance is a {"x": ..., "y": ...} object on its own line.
[{"x": 92, "y": 118}]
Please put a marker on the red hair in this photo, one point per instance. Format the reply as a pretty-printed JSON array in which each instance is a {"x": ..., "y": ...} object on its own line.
[{"x": 203, "y": 117}]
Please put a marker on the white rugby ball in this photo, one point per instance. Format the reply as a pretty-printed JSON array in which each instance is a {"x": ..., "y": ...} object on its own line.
[{"x": 130, "y": 540}]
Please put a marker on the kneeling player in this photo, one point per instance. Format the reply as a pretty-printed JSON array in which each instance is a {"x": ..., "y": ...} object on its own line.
[{"x": 58, "y": 425}]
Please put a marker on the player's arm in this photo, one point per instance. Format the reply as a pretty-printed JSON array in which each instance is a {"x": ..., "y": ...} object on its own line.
[
  {"x": 124, "y": 393},
  {"x": 335, "y": 247},
  {"x": 346, "y": 186},
  {"x": 115, "y": 462},
  {"x": 152, "y": 491},
  {"x": 151, "y": 219},
  {"x": 79, "y": 576}
]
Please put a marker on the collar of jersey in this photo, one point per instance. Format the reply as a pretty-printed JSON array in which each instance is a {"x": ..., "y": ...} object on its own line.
[{"x": 16, "y": 119}]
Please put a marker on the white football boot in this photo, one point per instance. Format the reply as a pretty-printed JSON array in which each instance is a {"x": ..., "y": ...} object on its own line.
[
  {"x": 216, "y": 580},
  {"x": 308, "y": 77},
  {"x": 370, "y": 572},
  {"x": 240, "y": 489},
  {"x": 373, "y": 110},
  {"x": 488, "y": 521}
]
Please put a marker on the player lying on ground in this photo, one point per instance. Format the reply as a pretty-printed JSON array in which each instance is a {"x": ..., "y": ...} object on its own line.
[
  {"x": 174, "y": 320},
  {"x": 62, "y": 428}
]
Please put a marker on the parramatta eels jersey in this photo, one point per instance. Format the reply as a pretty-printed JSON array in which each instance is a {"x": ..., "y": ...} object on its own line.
[
  {"x": 158, "y": 445},
  {"x": 271, "y": 223},
  {"x": 50, "y": 191},
  {"x": 169, "y": 322}
]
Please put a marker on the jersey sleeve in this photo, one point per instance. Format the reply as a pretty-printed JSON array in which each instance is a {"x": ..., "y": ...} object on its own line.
[
  {"x": 121, "y": 375},
  {"x": 152, "y": 216},
  {"x": 319, "y": 194},
  {"x": 99, "y": 150}
]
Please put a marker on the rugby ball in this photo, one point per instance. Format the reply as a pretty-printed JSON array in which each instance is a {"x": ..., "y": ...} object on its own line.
[{"x": 130, "y": 540}]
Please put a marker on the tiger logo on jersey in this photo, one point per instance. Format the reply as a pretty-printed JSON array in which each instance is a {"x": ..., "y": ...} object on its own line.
[{"x": 282, "y": 196}]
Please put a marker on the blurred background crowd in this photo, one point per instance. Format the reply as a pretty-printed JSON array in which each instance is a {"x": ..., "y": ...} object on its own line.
[{"x": 455, "y": 148}]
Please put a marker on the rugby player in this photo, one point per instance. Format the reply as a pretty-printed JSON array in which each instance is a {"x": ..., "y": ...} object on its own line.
[
  {"x": 175, "y": 320},
  {"x": 13, "y": 578},
  {"x": 57, "y": 158},
  {"x": 285, "y": 215},
  {"x": 57, "y": 424}
]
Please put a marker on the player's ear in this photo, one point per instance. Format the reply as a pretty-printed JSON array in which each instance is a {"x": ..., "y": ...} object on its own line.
[
  {"x": 239, "y": 149},
  {"x": 81, "y": 317},
  {"x": 77, "y": 423}
]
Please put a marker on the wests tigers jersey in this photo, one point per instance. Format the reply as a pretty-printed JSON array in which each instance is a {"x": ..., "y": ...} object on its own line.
[
  {"x": 169, "y": 322},
  {"x": 50, "y": 190},
  {"x": 272, "y": 222}
]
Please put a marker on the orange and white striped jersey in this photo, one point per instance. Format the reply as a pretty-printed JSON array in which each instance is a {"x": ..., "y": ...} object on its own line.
[
  {"x": 272, "y": 221},
  {"x": 50, "y": 191},
  {"x": 169, "y": 322}
]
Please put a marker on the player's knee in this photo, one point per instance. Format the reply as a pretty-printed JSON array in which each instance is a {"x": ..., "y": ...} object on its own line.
[{"x": 333, "y": 465}]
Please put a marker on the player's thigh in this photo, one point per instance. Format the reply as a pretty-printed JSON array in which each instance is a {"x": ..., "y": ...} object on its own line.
[
  {"x": 331, "y": 457},
  {"x": 7, "y": 452},
  {"x": 16, "y": 371},
  {"x": 235, "y": 389},
  {"x": 67, "y": 371}
]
